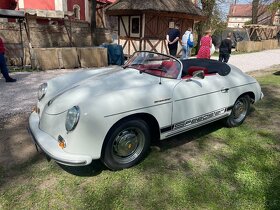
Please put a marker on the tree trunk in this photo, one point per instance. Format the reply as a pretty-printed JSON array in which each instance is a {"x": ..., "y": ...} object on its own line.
[
  {"x": 93, "y": 21},
  {"x": 207, "y": 7},
  {"x": 255, "y": 9}
]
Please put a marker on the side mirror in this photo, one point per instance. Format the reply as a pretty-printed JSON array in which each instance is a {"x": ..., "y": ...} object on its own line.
[{"x": 199, "y": 74}]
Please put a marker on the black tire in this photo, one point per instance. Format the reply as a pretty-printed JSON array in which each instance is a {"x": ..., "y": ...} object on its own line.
[
  {"x": 127, "y": 144},
  {"x": 239, "y": 111}
]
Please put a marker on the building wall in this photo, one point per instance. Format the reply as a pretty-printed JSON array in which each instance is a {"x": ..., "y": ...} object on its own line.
[
  {"x": 8, "y": 4},
  {"x": 276, "y": 20},
  {"x": 237, "y": 22},
  {"x": 81, "y": 4},
  {"x": 39, "y": 4}
]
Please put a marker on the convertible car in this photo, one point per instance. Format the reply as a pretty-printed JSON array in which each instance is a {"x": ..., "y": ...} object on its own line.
[{"x": 114, "y": 113}]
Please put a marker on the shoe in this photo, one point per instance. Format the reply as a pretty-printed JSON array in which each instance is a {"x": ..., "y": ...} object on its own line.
[{"x": 11, "y": 80}]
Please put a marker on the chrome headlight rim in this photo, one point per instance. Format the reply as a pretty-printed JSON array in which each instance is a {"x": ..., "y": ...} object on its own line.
[
  {"x": 72, "y": 118},
  {"x": 42, "y": 91}
]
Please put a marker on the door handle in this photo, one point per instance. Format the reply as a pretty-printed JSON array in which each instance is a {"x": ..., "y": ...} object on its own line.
[{"x": 224, "y": 90}]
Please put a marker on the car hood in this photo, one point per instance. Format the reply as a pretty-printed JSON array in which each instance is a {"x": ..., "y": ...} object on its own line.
[{"x": 99, "y": 85}]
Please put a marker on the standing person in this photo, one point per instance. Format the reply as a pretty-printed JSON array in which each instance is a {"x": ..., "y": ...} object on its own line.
[
  {"x": 205, "y": 45},
  {"x": 3, "y": 65},
  {"x": 172, "y": 38},
  {"x": 187, "y": 41},
  {"x": 225, "y": 49}
]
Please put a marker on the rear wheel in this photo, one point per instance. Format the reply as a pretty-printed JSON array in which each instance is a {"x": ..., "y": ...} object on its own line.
[
  {"x": 127, "y": 144},
  {"x": 239, "y": 111}
]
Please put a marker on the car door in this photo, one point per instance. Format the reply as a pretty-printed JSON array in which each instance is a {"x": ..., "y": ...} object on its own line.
[{"x": 197, "y": 101}]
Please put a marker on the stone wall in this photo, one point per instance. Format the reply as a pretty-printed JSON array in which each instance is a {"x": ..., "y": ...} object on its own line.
[
  {"x": 253, "y": 46},
  {"x": 70, "y": 57},
  {"x": 54, "y": 35}
]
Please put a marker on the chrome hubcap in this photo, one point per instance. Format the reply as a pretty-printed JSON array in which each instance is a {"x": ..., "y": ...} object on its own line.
[
  {"x": 128, "y": 145},
  {"x": 125, "y": 143},
  {"x": 240, "y": 110}
]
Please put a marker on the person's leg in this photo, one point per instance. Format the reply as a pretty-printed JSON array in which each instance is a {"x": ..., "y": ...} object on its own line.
[
  {"x": 189, "y": 52},
  {"x": 3, "y": 66},
  {"x": 184, "y": 52},
  {"x": 220, "y": 57},
  {"x": 173, "y": 52},
  {"x": 226, "y": 57},
  {"x": 4, "y": 69}
]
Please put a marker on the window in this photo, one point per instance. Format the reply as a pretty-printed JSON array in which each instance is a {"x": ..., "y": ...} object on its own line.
[
  {"x": 135, "y": 26},
  {"x": 77, "y": 11}
]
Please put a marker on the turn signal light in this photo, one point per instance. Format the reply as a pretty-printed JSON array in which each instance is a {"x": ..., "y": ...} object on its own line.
[
  {"x": 36, "y": 109},
  {"x": 61, "y": 142}
]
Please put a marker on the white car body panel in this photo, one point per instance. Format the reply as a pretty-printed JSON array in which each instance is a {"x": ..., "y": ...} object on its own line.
[{"x": 108, "y": 95}]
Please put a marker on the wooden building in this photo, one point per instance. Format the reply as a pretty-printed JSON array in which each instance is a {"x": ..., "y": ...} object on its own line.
[{"x": 143, "y": 24}]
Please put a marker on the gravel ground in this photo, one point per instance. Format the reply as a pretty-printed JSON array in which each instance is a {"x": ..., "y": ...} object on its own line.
[{"x": 21, "y": 96}]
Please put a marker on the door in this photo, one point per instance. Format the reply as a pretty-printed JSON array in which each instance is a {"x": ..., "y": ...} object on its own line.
[{"x": 198, "y": 101}]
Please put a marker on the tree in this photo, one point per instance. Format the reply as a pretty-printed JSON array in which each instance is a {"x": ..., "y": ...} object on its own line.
[
  {"x": 255, "y": 11},
  {"x": 93, "y": 20},
  {"x": 207, "y": 7},
  {"x": 273, "y": 8}
]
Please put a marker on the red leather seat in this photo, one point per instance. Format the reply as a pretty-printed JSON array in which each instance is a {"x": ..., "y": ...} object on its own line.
[
  {"x": 171, "y": 69},
  {"x": 192, "y": 69}
]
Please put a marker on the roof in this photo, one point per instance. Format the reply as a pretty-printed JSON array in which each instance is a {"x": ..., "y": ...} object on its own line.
[
  {"x": 240, "y": 10},
  {"x": 244, "y": 10},
  {"x": 5, "y": 13},
  {"x": 106, "y": 1},
  {"x": 178, "y": 6}
]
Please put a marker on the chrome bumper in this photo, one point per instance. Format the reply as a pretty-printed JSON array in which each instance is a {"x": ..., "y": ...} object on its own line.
[{"x": 50, "y": 147}]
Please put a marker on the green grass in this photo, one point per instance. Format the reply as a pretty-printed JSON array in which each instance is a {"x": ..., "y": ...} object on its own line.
[{"x": 209, "y": 168}]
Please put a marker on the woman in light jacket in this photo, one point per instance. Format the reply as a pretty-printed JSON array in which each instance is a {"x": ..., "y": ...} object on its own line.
[{"x": 186, "y": 48}]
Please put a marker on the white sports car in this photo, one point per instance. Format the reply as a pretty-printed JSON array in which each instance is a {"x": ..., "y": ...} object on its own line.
[{"x": 113, "y": 114}]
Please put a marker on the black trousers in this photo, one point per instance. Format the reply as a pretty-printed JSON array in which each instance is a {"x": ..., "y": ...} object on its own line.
[
  {"x": 173, "y": 52},
  {"x": 224, "y": 57},
  {"x": 3, "y": 66}
]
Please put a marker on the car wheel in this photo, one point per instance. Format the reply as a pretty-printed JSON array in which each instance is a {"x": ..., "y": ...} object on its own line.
[
  {"x": 127, "y": 144},
  {"x": 239, "y": 111}
]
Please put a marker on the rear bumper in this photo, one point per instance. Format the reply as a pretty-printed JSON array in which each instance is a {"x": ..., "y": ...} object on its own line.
[{"x": 50, "y": 147}]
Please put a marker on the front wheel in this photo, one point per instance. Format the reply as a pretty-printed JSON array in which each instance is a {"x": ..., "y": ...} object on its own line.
[
  {"x": 127, "y": 144},
  {"x": 239, "y": 111}
]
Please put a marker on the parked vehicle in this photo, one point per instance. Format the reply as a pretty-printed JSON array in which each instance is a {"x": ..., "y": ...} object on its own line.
[{"x": 113, "y": 114}]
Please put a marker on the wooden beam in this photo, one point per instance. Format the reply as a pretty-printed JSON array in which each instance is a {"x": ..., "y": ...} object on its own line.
[{"x": 126, "y": 33}]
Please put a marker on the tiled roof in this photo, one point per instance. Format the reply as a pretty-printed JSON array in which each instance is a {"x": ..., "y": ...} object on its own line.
[{"x": 240, "y": 10}]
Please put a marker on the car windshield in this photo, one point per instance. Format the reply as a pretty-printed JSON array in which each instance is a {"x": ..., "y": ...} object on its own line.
[{"x": 155, "y": 64}]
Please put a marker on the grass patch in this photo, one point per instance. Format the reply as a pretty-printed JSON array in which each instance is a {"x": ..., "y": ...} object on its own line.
[{"x": 209, "y": 168}]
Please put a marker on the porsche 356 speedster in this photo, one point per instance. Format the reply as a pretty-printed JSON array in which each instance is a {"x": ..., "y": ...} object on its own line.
[{"x": 114, "y": 113}]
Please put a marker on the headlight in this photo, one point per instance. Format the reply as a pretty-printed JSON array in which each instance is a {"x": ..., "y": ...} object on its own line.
[
  {"x": 42, "y": 91},
  {"x": 72, "y": 118}
]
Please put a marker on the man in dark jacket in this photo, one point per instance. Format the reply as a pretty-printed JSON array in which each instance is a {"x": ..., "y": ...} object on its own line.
[
  {"x": 225, "y": 49},
  {"x": 3, "y": 66},
  {"x": 172, "y": 38}
]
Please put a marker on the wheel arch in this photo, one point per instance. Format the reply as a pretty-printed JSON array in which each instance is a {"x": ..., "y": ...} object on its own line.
[
  {"x": 148, "y": 118},
  {"x": 251, "y": 95}
]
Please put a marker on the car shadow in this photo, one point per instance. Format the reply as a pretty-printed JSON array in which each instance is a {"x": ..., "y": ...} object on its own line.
[
  {"x": 193, "y": 134},
  {"x": 188, "y": 136},
  {"x": 93, "y": 169},
  {"x": 277, "y": 73}
]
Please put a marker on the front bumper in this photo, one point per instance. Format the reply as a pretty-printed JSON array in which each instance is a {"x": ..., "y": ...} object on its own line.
[{"x": 50, "y": 147}]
